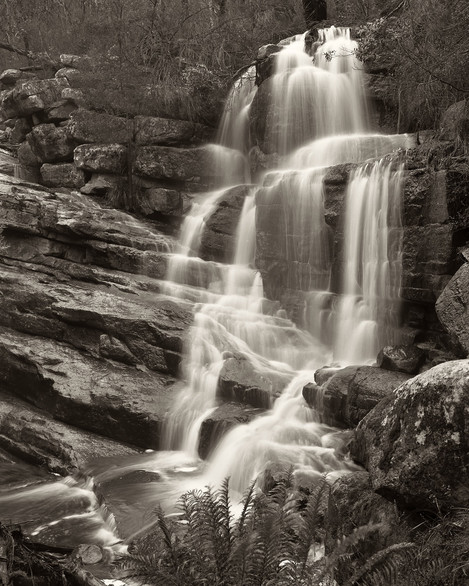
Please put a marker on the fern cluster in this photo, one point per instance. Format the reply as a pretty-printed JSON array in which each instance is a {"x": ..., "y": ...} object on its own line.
[
  {"x": 271, "y": 542},
  {"x": 277, "y": 541}
]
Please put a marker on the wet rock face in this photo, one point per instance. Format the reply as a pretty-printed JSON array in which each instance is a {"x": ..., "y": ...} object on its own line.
[
  {"x": 85, "y": 337},
  {"x": 38, "y": 439},
  {"x": 345, "y": 396},
  {"x": 113, "y": 400},
  {"x": 220, "y": 422},
  {"x": 239, "y": 380},
  {"x": 415, "y": 442},
  {"x": 219, "y": 237}
]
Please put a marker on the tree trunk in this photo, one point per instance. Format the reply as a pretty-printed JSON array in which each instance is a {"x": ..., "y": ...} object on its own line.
[{"x": 314, "y": 11}]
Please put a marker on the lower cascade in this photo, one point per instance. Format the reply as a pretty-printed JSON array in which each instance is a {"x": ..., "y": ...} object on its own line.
[{"x": 346, "y": 287}]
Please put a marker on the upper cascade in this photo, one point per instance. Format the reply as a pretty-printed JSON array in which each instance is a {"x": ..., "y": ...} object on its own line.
[{"x": 316, "y": 96}]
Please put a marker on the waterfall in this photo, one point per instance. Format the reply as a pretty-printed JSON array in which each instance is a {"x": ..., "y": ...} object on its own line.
[
  {"x": 317, "y": 116},
  {"x": 367, "y": 309},
  {"x": 342, "y": 280}
]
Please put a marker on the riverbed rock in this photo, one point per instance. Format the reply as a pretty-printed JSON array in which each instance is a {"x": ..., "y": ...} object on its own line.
[
  {"x": 37, "y": 438},
  {"x": 452, "y": 308},
  {"x": 414, "y": 443},
  {"x": 50, "y": 144},
  {"x": 62, "y": 175}
]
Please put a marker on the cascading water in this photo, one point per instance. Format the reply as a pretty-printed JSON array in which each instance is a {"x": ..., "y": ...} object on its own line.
[
  {"x": 367, "y": 308},
  {"x": 320, "y": 108},
  {"x": 316, "y": 118}
]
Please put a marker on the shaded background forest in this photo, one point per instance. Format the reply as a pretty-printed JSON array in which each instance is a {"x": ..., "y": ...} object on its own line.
[{"x": 178, "y": 58}]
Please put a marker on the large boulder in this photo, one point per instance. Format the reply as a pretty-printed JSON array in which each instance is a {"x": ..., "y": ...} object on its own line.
[
  {"x": 50, "y": 143},
  {"x": 86, "y": 126},
  {"x": 149, "y": 130},
  {"x": 62, "y": 175},
  {"x": 415, "y": 442},
  {"x": 32, "y": 96},
  {"x": 352, "y": 392},
  {"x": 101, "y": 158},
  {"x": 452, "y": 308}
]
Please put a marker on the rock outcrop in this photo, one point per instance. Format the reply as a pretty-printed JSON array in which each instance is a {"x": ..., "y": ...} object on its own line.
[
  {"x": 452, "y": 308},
  {"x": 350, "y": 393},
  {"x": 415, "y": 444},
  {"x": 86, "y": 338}
]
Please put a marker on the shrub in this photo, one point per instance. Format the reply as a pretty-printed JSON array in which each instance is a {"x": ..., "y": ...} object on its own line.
[{"x": 425, "y": 49}]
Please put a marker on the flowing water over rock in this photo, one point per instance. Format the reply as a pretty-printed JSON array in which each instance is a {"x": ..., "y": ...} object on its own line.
[{"x": 316, "y": 118}]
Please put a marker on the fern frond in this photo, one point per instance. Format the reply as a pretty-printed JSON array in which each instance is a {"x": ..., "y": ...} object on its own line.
[
  {"x": 248, "y": 504},
  {"x": 308, "y": 533},
  {"x": 381, "y": 569},
  {"x": 345, "y": 545}
]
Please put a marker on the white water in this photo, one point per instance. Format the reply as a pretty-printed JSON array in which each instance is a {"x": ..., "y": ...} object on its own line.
[{"x": 319, "y": 120}]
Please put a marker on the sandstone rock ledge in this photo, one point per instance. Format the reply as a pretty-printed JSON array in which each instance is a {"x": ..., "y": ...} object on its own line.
[{"x": 88, "y": 345}]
